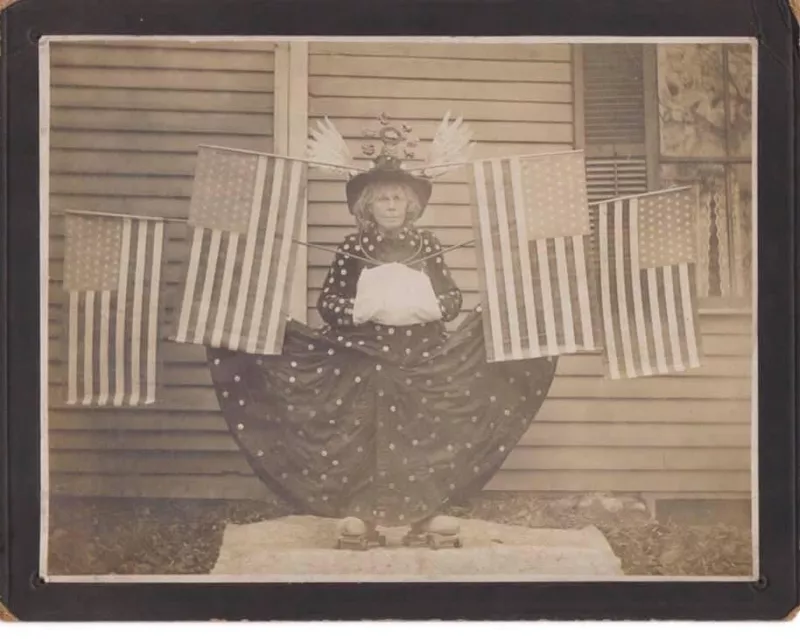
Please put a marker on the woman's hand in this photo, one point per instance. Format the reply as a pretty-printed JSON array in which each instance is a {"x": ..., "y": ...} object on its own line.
[{"x": 396, "y": 295}]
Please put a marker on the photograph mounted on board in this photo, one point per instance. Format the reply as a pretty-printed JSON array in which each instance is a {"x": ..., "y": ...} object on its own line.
[{"x": 398, "y": 309}]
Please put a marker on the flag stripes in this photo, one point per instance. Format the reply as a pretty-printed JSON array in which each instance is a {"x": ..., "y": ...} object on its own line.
[
  {"x": 112, "y": 335},
  {"x": 649, "y": 314},
  {"x": 538, "y": 293},
  {"x": 237, "y": 284}
]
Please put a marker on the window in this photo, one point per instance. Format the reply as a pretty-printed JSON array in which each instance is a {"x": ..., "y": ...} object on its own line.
[
  {"x": 655, "y": 116},
  {"x": 705, "y": 119}
]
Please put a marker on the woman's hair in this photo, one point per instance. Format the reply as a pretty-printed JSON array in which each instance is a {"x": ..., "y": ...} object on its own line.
[{"x": 362, "y": 209}]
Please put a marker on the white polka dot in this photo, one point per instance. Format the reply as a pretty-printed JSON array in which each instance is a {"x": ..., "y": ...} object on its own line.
[
  {"x": 319, "y": 371},
  {"x": 216, "y": 362},
  {"x": 290, "y": 407},
  {"x": 236, "y": 378},
  {"x": 292, "y": 380},
  {"x": 411, "y": 478},
  {"x": 240, "y": 426},
  {"x": 378, "y": 367},
  {"x": 225, "y": 393},
  {"x": 385, "y": 349},
  {"x": 502, "y": 449},
  {"x": 311, "y": 347},
  {"x": 324, "y": 453},
  {"x": 358, "y": 379},
  {"x": 336, "y": 371},
  {"x": 414, "y": 442},
  {"x": 241, "y": 402}
]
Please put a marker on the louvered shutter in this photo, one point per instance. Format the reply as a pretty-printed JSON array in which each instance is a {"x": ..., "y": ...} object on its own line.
[{"x": 614, "y": 120}]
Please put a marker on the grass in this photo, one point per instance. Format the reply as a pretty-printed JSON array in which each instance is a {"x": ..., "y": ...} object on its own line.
[{"x": 126, "y": 536}]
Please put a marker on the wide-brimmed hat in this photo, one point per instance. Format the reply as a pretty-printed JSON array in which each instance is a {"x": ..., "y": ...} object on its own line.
[
  {"x": 448, "y": 150},
  {"x": 388, "y": 170}
]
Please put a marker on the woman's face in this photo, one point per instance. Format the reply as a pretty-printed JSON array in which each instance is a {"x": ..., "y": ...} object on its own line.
[{"x": 389, "y": 207}]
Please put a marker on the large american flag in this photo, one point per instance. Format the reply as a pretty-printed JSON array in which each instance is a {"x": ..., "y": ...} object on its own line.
[
  {"x": 533, "y": 227},
  {"x": 646, "y": 253},
  {"x": 112, "y": 275},
  {"x": 245, "y": 211}
]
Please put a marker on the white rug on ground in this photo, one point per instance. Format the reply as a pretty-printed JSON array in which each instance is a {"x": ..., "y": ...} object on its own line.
[{"x": 301, "y": 548}]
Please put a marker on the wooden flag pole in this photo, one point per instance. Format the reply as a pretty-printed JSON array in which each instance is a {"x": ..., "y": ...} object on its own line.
[
  {"x": 349, "y": 169},
  {"x": 443, "y": 251},
  {"x": 505, "y": 157},
  {"x": 337, "y": 252},
  {"x": 125, "y": 216}
]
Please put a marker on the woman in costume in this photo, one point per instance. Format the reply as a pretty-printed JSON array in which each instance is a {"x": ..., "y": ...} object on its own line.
[{"x": 382, "y": 417}]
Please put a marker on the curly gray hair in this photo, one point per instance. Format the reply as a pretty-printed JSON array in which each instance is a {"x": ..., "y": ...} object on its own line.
[{"x": 362, "y": 209}]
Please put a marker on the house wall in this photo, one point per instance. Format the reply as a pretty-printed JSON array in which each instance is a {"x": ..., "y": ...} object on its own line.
[{"x": 123, "y": 140}]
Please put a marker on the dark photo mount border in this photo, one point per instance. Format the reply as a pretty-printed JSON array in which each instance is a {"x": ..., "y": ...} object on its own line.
[{"x": 772, "y": 596}]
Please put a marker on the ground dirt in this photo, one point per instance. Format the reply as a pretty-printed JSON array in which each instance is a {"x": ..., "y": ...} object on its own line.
[{"x": 126, "y": 536}]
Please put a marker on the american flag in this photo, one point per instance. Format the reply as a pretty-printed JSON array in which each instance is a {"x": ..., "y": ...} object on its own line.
[
  {"x": 112, "y": 274},
  {"x": 646, "y": 254},
  {"x": 533, "y": 228},
  {"x": 245, "y": 210}
]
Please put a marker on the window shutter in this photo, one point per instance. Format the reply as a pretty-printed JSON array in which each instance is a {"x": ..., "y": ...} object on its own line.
[{"x": 614, "y": 120}]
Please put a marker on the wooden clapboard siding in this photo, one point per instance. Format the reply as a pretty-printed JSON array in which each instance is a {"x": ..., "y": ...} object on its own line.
[
  {"x": 516, "y": 99},
  {"x": 124, "y": 140},
  {"x": 126, "y": 121}
]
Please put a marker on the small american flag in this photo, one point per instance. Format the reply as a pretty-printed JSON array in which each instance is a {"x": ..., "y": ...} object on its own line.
[
  {"x": 533, "y": 227},
  {"x": 245, "y": 210},
  {"x": 112, "y": 274},
  {"x": 646, "y": 254}
]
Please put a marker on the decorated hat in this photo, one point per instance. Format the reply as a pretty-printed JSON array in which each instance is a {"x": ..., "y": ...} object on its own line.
[{"x": 328, "y": 150}]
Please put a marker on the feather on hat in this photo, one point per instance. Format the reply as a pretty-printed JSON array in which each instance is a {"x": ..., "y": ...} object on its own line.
[{"x": 449, "y": 149}]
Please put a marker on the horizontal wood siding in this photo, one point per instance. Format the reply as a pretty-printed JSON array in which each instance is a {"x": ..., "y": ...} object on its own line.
[
  {"x": 515, "y": 98},
  {"x": 126, "y": 120},
  {"x": 125, "y": 142}
]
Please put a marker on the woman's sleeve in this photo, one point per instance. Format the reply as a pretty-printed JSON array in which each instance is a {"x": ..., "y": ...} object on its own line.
[
  {"x": 447, "y": 293},
  {"x": 335, "y": 303}
]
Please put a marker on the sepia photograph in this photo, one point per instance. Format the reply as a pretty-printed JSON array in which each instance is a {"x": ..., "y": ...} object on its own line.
[{"x": 398, "y": 309}]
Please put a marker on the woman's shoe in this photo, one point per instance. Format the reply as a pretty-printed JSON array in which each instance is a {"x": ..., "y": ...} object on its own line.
[
  {"x": 356, "y": 534},
  {"x": 439, "y": 531}
]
